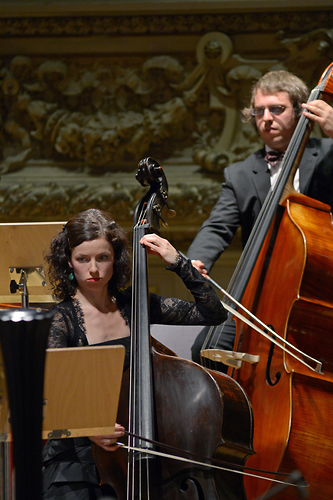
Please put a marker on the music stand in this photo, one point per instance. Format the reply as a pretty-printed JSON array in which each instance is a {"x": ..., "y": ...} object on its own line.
[
  {"x": 22, "y": 248},
  {"x": 81, "y": 390}
]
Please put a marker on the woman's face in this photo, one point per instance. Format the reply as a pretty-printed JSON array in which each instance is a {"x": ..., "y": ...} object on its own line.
[{"x": 92, "y": 263}]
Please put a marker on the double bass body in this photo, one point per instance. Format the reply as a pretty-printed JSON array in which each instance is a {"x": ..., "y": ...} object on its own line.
[
  {"x": 204, "y": 413},
  {"x": 291, "y": 291}
]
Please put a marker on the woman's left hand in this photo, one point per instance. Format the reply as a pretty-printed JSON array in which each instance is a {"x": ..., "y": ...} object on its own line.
[
  {"x": 108, "y": 442},
  {"x": 160, "y": 247}
]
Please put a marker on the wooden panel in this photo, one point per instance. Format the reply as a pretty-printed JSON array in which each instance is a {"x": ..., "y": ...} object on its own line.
[{"x": 81, "y": 390}]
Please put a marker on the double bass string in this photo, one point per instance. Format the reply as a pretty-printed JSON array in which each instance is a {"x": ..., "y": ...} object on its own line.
[
  {"x": 213, "y": 466},
  {"x": 275, "y": 340},
  {"x": 278, "y": 340},
  {"x": 212, "y": 460},
  {"x": 140, "y": 417}
]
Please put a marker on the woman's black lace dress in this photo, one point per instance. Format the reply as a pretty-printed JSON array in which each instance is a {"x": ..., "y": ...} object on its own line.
[{"x": 69, "y": 469}]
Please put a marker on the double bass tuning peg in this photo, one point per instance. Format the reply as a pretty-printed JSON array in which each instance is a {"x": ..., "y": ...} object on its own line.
[{"x": 171, "y": 213}]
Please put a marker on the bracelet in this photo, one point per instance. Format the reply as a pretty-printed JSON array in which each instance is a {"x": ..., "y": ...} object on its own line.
[{"x": 175, "y": 264}]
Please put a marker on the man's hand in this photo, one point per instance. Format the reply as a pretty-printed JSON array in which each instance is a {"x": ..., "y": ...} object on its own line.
[
  {"x": 200, "y": 266},
  {"x": 322, "y": 113}
]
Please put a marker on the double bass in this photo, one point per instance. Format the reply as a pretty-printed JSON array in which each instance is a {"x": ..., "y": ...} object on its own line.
[
  {"x": 284, "y": 278},
  {"x": 178, "y": 411}
]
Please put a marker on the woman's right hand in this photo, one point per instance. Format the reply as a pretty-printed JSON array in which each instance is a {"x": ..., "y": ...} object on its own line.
[{"x": 107, "y": 442}]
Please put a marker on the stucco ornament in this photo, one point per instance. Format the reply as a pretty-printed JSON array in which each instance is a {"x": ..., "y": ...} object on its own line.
[{"x": 102, "y": 117}]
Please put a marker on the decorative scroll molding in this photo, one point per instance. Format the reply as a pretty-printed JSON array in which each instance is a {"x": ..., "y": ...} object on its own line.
[
  {"x": 247, "y": 22},
  {"x": 93, "y": 118},
  {"x": 102, "y": 116},
  {"x": 42, "y": 200}
]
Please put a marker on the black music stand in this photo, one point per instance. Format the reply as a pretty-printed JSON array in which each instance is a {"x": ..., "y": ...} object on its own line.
[{"x": 23, "y": 340}]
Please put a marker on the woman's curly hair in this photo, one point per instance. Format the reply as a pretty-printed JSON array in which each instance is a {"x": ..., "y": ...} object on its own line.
[
  {"x": 278, "y": 81},
  {"x": 86, "y": 226}
]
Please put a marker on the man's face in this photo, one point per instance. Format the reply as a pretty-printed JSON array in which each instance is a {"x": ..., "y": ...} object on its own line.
[{"x": 275, "y": 129}]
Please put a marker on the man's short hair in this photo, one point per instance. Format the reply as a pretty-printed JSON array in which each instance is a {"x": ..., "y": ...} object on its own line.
[{"x": 279, "y": 81}]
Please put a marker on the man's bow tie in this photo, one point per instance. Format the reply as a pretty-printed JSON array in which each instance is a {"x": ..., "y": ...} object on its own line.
[{"x": 273, "y": 157}]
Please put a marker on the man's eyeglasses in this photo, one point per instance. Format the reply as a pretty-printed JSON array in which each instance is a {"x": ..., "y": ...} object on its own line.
[{"x": 274, "y": 110}]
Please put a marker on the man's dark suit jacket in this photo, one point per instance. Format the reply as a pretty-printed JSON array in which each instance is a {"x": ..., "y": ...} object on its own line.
[{"x": 243, "y": 194}]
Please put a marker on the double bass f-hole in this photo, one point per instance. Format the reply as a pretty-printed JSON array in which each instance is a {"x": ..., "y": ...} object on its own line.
[{"x": 269, "y": 362}]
